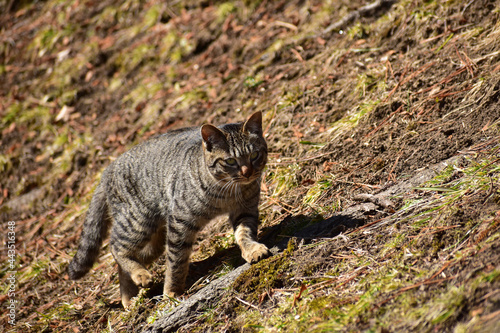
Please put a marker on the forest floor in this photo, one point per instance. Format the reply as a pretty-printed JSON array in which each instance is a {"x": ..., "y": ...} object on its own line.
[{"x": 381, "y": 198}]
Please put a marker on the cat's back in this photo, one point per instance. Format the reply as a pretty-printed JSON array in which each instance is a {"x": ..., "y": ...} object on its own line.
[
  {"x": 165, "y": 146},
  {"x": 172, "y": 141},
  {"x": 150, "y": 160}
]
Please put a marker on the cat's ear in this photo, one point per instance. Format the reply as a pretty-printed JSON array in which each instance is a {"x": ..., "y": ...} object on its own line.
[
  {"x": 253, "y": 124},
  {"x": 213, "y": 137}
]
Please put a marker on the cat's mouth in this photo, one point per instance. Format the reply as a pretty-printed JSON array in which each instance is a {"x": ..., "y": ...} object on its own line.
[
  {"x": 245, "y": 180},
  {"x": 239, "y": 179}
]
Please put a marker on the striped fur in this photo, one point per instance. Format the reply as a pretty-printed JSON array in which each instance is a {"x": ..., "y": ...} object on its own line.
[{"x": 160, "y": 194}]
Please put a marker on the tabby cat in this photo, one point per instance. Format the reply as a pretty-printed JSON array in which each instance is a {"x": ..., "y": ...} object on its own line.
[{"x": 161, "y": 193}]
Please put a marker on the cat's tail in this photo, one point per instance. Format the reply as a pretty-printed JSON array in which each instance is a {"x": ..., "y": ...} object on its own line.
[{"x": 95, "y": 230}]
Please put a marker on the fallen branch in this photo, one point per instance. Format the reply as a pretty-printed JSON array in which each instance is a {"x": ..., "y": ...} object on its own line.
[
  {"x": 194, "y": 306},
  {"x": 363, "y": 11}
]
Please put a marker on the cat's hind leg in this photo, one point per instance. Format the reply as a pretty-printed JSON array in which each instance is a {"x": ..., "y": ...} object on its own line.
[
  {"x": 128, "y": 288},
  {"x": 132, "y": 274},
  {"x": 151, "y": 251},
  {"x": 128, "y": 240},
  {"x": 154, "y": 248}
]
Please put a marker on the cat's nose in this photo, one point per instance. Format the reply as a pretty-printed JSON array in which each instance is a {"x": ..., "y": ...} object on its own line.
[{"x": 246, "y": 171}]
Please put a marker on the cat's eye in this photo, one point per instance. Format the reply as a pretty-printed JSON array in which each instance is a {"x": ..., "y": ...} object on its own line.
[
  {"x": 254, "y": 155},
  {"x": 231, "y": 161}
]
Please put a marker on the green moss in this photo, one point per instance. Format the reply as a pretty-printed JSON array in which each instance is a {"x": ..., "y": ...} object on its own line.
[
  {"x": 143, "y": 93},
  {"x": 49, "y": 37},
  {"x": 35, "y": 117},
  {"x": 351, "y": 119},
  {"x": 439, "y": 309},
  {"x": 192, "y": 97},
  {"x": 395, "y": 243},
  {"x": 491, "y": 277},
  {"x": 35, "y": 271},
  {"x": 357, "y": 31},
  {"x": 11, "y": 113},
  {"x": 151, "y": 17},
  {"x": 174, "y": 46},
  {"x": 265, "y": 275},
  {"x": 131, "y": 58},
  {"x": 62, "y": 152},
  {"x": 369, "y": 82},
  {"x": 223, "y": 10},
  {"x": 252, "y": 82},
  {"x": 216, "y": 244},
  {"x": 5, "y": 163}
]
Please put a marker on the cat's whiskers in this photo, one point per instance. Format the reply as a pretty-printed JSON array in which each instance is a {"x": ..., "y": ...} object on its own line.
[
  {"x": 240, "y": 198},
  {"x": 239, "y": 195},
  {"x": 227, "y": 189},
  {"x": 216, "y": 187},
  {"x": 220, "y": 190}
]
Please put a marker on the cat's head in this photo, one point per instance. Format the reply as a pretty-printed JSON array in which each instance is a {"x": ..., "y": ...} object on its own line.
[{"x": 235, "y": 152}]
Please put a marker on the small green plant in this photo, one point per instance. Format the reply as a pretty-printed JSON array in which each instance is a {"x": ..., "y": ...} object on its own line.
[
  {"x": 223, "y": 11},
  {"x": 252, "y": 82},
  {"x": 317, "y": 192},
  {"x": 282, "y": 179}
]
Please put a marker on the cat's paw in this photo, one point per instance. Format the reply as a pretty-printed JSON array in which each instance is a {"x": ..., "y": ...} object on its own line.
[
  {"x": 173, "y": 292},
  {"x": 142, "y": 278},
  {"x": 255, "y": 252}
]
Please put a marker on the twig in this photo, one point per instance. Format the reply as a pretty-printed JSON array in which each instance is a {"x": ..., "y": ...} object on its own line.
[
  {"x": 305, "y": 159},
  {"x": 364, "y": 226},
  {"x": 247, "y": 303},
  {"x": 389, "y": 66},
  {"x": 281, "y": 205},
  {"x": 357, "y": 184},
  {"x": 324, "y": 284},
  {"x": 413, "y": 286},
  {"x": 445, "y": 80},
  {"x": 485, "y": 232},
  {"x": 420, "y": 70},
  {"x": 297, "y": 55},
  {"x": 490, "y": 193},
  {"x": 394, "y": 166},
  {"x": 299, "y": 295},
  {"x": 383, "y": 122},
  {"x": 465, "y": 63},
  {"x": 448, "y": 94},
  {"x": 446, "y": 265},
  {"x": 344, "y": 56},
  {"x": 486, "y": 57},
  {"x": 286, "y": 25},
  {"x": 397, "y": 85},
  {"x": 467, "y": 6}
]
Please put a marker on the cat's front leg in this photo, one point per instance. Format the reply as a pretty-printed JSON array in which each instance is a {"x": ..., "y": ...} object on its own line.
[{"x": 245, "y": 232}]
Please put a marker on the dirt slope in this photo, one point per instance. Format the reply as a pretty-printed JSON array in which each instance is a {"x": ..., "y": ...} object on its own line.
[{"x": 382, "y": 191}]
